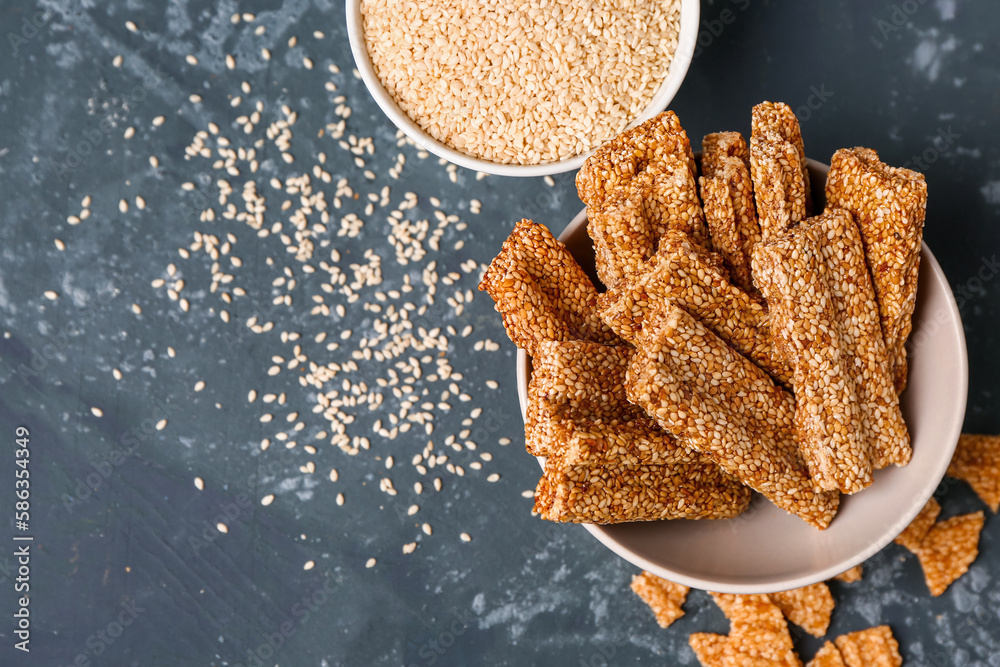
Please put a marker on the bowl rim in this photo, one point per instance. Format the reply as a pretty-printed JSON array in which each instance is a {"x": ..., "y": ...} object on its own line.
[
  {"x": 615, "y": 545},
  {"x": 683, "y": 54}
]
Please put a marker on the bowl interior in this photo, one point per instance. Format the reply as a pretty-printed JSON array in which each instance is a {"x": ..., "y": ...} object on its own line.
[
  {"x": 690, "y": 13},
  {"x": 766, "y": 550}
]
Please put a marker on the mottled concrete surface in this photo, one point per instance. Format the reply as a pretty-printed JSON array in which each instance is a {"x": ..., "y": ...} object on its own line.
[{"x": 915, "y": 79}]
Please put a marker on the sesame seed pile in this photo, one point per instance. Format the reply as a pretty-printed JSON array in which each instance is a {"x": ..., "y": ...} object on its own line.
[
  {"x": 522, "y": 83},
  {"x": 322, "y": 229},
  {"x": 397, "y": 370}
]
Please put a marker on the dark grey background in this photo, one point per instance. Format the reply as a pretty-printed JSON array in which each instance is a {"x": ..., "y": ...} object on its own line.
[{"x": 915, "y": 80}]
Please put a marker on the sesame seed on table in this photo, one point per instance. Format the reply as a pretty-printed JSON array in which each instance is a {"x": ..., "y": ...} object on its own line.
[{"x": 207, "y": 221}]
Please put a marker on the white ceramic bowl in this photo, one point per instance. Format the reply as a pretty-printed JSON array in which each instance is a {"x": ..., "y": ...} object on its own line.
[
  {"x": 767, "y": 550},
  {"x": 678, "y": 69}
]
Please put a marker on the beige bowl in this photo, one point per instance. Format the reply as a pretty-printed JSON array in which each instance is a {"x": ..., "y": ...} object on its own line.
[
  {"x": 687, "y": 39},
  {"x": 767, "y": 550}
]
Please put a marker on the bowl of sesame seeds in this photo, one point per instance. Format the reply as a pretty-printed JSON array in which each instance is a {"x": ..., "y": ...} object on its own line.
[
  {"x": 766, "y": 549},
  {"x": 521, "y": 89}
]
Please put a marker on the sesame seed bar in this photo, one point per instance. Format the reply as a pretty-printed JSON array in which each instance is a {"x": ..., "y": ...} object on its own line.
[
  {"x": 720, "y": 403},
  {"x": 694, "y": 279},
  {"x": 627, "y": 224},
  {"x": 576, "y": 381},
  {"x": 541, "y": 292},
  {"x": 827, "y": 656},
  {"x": 625, "y": 156},
  {"x": 851, "y": 576},
  {"x": 664, "y": 597},
  {"x": 731, "y": 217},
  {"x": 914, "y": 534},
  {"x": 710, "y": 649},
  {"x": 637, "y": 442},
  {"x": 889, "y": 205},
  {"x": 808, "y": 607},
  {"x": 854, "y": 298},
  {"x": 949, "y": 549},
  {"x": 874, "y": 647},
  {"x": 977, "y": 462},
  {"x": 779, "y": 189},
  {"x": 719, "y": 145},
  {"x": 758, "y": 633},
  {"x": 606, "y": 494},
  {"x": 779, "y": 119},
  {"x": 824, "y": 319},
  {"x": 622, "y": 232},
  {"x": 793, "y": 278},
  {"x": 577, "y": 406},
  {"x": 673, "y": 198}
]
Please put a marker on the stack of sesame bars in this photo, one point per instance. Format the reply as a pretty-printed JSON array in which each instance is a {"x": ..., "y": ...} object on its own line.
[{"x": 742, "y": 342}]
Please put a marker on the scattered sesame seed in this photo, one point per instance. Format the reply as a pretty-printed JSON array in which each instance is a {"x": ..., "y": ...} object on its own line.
[
  {"x": 191, "y": 60},
  {"x": 495, "y": 477},
  {"x": 123, "y": 206},
  {"x": 199, "y": 385},
  {"x": 158, "y": 121},
  {"x": 370, "y": 563},
  {"x": 50, "y": 295},
  {"x": 409, "y": 548},
  {"x": 199, "y": 483},
  {"x": 413, "y": 510},
  {"x": 136, "y": 309},
  {"x": 97, "y": 412},
  {"x": 466, "y": 537},
  {"x": 221, "y": 527},
  {"x": 340, "y": 498},
  {"x": 309, "y": 565},
  {"x": 160, "y": 425},
  {"x": 426, "y": 528},
  {"x": 132, "y": 27}
]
